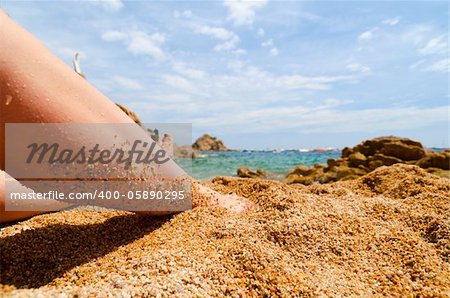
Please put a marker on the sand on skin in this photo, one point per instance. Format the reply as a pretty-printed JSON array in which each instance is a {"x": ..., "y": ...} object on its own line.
[{"x": 386, "y": 232}]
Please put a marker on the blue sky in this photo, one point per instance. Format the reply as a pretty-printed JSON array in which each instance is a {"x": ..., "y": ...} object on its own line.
[{"x": 262, "y": 74}]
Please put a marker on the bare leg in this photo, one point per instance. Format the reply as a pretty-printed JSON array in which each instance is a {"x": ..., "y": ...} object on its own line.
[
  {"x": 15, "y": 186},
  {"x": 36, "y": 87}
]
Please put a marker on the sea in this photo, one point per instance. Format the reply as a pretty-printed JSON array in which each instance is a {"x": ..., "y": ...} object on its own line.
[{"x": 276, "y": 163}]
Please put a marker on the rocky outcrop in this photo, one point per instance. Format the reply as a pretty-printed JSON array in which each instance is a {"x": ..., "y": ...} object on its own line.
[
  {"x": 184, "y": 151},
  {"x": 130, "y": 114},
  {"x": 245, "y": 172},
  {"x": 372, "y": 154},
  {"x": 209, "y": 143},
  {"x": 440, "y": 160}
]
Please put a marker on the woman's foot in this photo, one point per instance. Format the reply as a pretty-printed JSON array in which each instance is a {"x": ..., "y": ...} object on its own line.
[{"x": 205, "y": 196}]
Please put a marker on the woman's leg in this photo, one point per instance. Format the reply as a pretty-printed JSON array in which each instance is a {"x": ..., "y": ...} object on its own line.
[
  {"x": 15, "y": 187},
  {"x": 36, "y": 87}
]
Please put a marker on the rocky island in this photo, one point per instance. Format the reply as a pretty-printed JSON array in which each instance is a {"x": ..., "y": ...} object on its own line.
[
  {"x": 370, "y": 155},
  {"x": 209, "y": 143}
]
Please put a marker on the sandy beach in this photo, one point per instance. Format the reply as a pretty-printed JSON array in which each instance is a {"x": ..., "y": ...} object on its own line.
[
  {"x": 320, "y": 166},
  {"x": 387, "y": 232}
]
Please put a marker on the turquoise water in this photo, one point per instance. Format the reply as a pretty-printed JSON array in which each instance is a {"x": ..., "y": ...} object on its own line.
[{"x": 276, "y": 164}]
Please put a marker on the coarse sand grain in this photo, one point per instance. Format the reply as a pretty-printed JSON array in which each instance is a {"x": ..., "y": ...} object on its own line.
[{"x": 386, "y": 233}]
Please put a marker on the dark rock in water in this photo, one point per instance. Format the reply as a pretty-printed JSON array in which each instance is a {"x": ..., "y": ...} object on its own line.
[
  {"x": 346, "y": 152},
  {"x": 305, "y": 180},
  {"x": 369, "y": 155},
  {"x": 209, "y": 143},
  {"x": 184, "y": 152},
  {"x": 245, "y": 172},
  {"x": 302, "y": 170}
]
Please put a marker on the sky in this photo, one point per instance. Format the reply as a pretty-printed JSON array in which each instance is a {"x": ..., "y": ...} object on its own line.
[{"x": 262, "y": 74}]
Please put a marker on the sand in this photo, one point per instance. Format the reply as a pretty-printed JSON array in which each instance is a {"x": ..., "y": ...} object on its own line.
[{"x": 387, "y": 233}]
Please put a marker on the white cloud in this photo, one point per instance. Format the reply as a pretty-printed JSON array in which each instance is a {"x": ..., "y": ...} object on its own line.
[
  {"x": 356, "y": 67},
  {"x": 185, "y": 14},
  {"x": 216, "y": 32},
  {"x": 127, "y": 83},
  {"x": 391, "y": 22},
  {"x": 143, "y": 43},
  {"x": 261, "y": 32},
  {"x": 192, "y": 73},
  {"x": 437, "y": 45},
  {"x": 67, "y": 53},
  {"x": 108, "y": 5},
  {"x": 113, "y": 35},
  {"x": 139, "y": 42},
  {"x": 242, "y": 12},
  {"x": 416, "y": 34},
  {"x": 323, "y": 118},
  {"x": 274, "y": 52},
  {"x": 367, "y": 35},
  {"x": 228, "y": 90},
  {"x": 248, "y": 75},
  {"x": 182, "y": 84},
  {"x": 267, "y": 43},
  {"x": 440, "y": 66},
  {"x": 239, "y": 52},
  {"x": 416, "y": 64},
  {"x": 229, "y": 39},
  {"x": 235, "y": 65},
  {"x": 304, "y": 82}
]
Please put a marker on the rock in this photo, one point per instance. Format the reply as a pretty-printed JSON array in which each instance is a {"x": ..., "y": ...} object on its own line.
[
  {"x": 385, "y": 160},
  {"x": 349, "y": 177},
  {"x": 375, "y": 164},
  {"x": 343, "y": 171},
  {"x": 130, "y": 114},
  {"x": 439, "y": 172},
  {"x": 305, "y": 180},
  {"x": 183, "y": 151},
  {"x": 331, "y": 163},
  {"x": 370, "y": 155},
  {"x": 357, "y": 159},
  {"x": 306, "y": 175},
  {"x": 319, "y": 166},
  {"x": 326, "y": 178},
  {"x": 366, "y": 149},
  {"x": 167, "y": 144},
  {"x": 153, "y": 133},
  {"x": 346, "y": 152},
  {"x": 302, "y": 170},
  {"x": 403, "y": 151},
  {"x": 440, "y": 160},
  {"x": 245, "y": 172},
  {"x": 209, "y": 143},
  {"x": 372, "y": 146}
]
